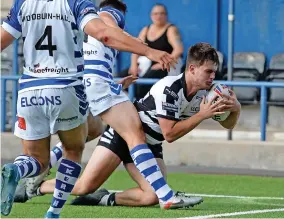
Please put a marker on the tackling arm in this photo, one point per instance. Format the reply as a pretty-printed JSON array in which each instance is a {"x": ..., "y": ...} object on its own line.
[
  {"x": 173, "y": 130},
  {"x": 6, "y": 39}
]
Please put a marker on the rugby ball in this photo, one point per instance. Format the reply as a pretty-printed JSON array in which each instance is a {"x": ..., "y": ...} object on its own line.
[{"x": 218, "y": 89}]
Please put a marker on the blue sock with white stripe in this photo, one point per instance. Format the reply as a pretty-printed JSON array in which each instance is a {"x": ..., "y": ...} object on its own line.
[
  {"x": 27, "y": 166},
  {"x": 66, "y": 177},
  {"x": 146, "y": 163},
  {"x": 55, "y": 155}
]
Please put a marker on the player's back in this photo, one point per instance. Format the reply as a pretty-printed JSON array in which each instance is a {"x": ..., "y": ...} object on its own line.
[
  {"x": 100, "y": 59},
  {"x": 52, "y": 42}
]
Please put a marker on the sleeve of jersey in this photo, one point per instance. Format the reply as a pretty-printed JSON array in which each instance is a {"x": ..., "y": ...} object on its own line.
[
  {"x": 166, "y": 106},
  {"x": 116, "y": 14},
  {"x": 85, "y": 11},
  {"x": 11, "y": 23}
]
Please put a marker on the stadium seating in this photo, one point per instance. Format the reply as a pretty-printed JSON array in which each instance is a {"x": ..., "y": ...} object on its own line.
[
  {"x": 275, "y": 73},
  {"x": 247, "y": 66}
]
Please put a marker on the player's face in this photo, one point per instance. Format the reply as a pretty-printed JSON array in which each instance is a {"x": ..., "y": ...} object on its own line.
[
  {"x": 205, "y": 74},
  {"x": 159, "y": 15}
]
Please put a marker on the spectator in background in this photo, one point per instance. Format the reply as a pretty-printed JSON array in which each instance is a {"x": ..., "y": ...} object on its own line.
[{"x": 160, "y": 35}]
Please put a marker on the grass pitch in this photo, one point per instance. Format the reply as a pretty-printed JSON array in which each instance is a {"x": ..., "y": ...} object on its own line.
[{"x": 253, "y": 189}]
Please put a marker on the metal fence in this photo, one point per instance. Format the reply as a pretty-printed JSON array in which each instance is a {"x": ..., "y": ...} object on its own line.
[{"x": 131, "y": 91}]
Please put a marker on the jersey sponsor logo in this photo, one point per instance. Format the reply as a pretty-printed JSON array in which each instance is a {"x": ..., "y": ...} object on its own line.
[
  {"x": 22, "y": 123},
  {"x": 45, "y": 16},
  {"x": 101, "y": 99},
  {"x": 168, "y": 91},
  {"x": 40, "y": 101},
  {"x": 87, "y": 82},
  {"x": 90, "y": 52},
  {"x": 56, "y": 70},
  {"x": 195, "y": 109},
  {"x": 198, "y": 98},
  {"x": 88, "y": 10},
  {"x": 169, "y": 107},
  {"x": 59, "y": 120}
]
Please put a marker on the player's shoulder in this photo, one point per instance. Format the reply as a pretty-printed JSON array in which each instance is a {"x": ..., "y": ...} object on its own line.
[
  {"x": 169, "y": 80},
  {"x": 168, "y": 86},
  {"x": 18, "y": 4},
  {"x": 115, "y": 13}
]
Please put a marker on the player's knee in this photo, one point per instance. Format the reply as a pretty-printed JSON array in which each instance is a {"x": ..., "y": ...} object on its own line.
[
  {"x": 84, "y": 189},
  {"x": 95, "y": 132},
  {"x": 135, "y": 136},
  {"x": 149, "y": 198}
]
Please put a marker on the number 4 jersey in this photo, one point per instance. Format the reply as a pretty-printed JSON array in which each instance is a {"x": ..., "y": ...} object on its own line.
[{"x": 52, "y": 41}]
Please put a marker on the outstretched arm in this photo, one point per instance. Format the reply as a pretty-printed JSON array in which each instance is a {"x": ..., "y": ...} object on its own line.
[
  {"x": 115, "y": 38},
  {"x": 6, "y": 39}
]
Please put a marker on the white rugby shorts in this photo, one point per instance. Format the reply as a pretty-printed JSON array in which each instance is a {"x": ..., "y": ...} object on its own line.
[
  {"x": 103, "y": 94},
  {"x": 43, "y": 112}
]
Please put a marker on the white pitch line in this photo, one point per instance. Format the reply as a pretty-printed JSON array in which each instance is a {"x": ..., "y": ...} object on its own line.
[
  {"x": 235, "y": 196},
  {"x": 236, "y": 213},
  {"x": 225, "y": 196}
]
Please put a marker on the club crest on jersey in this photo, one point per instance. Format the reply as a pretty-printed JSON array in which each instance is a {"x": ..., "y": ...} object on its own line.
[{"x": 168, "y": 91}]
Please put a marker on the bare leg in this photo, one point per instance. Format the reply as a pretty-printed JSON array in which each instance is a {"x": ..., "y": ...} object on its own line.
[
  {"x": 142, "y": 195},
  {"x": 95, "y": 127},
  {"x": 131, "y": 128}
]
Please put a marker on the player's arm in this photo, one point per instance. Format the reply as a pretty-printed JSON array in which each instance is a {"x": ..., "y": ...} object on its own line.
[
  {"x": 174, "y": 39},
  {"x": 11, "y": 28},
  {"x": 233, "y": 105},
  {"x": 115, "y": 38},
  {"x": 110, "y": 21},
  {"x": 173, "y": 130},
  {"x": 6, "y": 39}
]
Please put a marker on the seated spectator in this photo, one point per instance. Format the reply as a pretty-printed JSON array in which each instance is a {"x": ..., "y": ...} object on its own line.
[{"x": 160, "y": 35}]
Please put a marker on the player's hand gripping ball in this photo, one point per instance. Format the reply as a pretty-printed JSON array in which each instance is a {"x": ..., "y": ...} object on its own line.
[{"x": 218, "y": 89}]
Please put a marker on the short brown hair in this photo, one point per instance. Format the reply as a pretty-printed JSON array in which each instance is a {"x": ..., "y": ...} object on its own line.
[
  {"x": 117, "y": 4},
  {"x": 200, "y": 53}
]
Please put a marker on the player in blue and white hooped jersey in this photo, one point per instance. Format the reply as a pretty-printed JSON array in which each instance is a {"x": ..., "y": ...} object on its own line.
[{"x": 51, "y": 94}]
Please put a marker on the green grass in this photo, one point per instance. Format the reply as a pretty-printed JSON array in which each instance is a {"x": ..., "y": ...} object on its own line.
[{"x": 190, "y": 183}]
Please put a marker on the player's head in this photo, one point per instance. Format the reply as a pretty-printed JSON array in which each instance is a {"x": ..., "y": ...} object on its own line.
[
  {"x": 117, "y": 4},
  {"x": 159, "y": 14},
  {"x": 201, "y": 64}
]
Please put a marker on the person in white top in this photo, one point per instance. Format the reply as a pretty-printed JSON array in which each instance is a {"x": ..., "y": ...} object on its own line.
[{"x": 51, "y": 96}]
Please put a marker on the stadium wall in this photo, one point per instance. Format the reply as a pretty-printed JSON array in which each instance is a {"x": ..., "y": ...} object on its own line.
[{"x": 259, "y": 24}]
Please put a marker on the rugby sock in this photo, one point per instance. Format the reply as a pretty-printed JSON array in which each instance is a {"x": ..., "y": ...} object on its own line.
[
  {"x": 146, "y": 163},
  {"x": 66, "y": 177},
  {"x": 55, "y": 155},
  {"x": 27, "y": 166}
]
